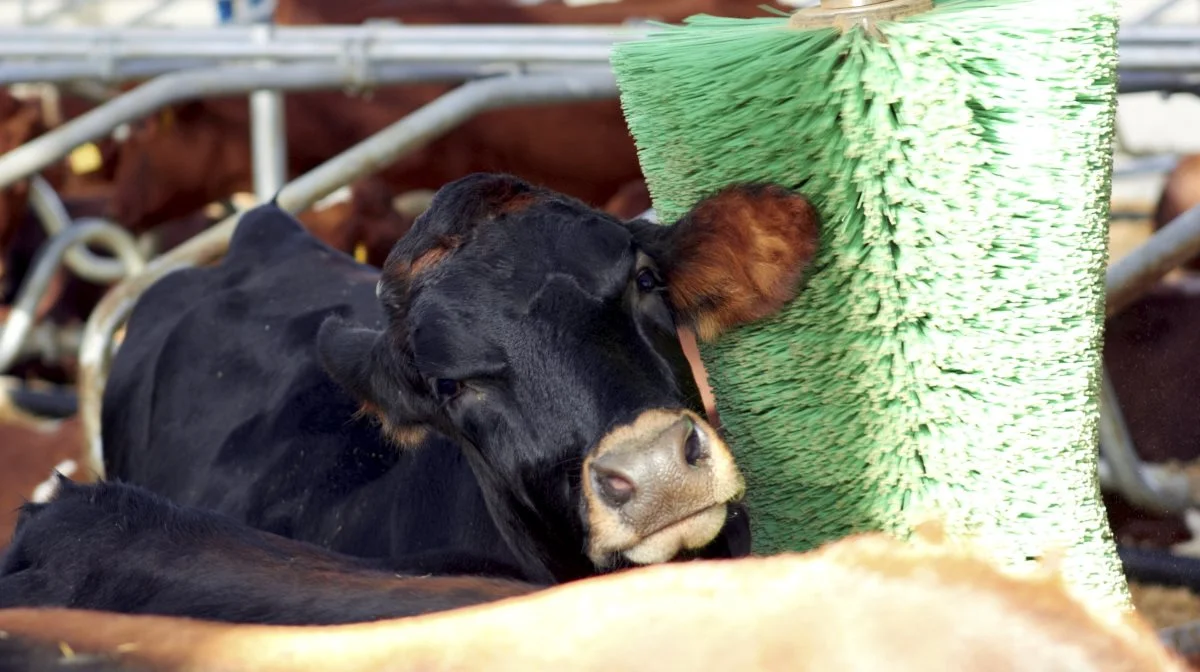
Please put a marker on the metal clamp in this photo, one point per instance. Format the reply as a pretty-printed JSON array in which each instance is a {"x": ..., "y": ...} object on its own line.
[{"x": 846, "y": 14}]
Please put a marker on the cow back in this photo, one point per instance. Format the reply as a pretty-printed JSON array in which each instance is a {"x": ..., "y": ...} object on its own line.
[{"x": 216, "y": 399}]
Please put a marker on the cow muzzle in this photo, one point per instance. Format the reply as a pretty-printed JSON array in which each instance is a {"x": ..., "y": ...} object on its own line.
[{"x": 657, "y": 487}]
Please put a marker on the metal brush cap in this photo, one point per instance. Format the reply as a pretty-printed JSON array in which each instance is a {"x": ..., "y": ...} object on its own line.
[{"x": 845, "y": 14}]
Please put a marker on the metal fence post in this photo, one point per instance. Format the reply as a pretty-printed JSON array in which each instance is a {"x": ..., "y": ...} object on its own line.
[{"x": 268, "y": 133}]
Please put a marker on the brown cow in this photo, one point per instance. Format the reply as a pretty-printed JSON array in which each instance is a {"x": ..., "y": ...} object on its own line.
[
  {"x": 1180, "y": 194},
  {"x": 20, "y": 122},
  {"x": 199, "y": 152},
  {"x": 1150, "y": 355},
  {"x": 864, "y": 603},
  {"x": 23, "y": 118},
  {"x": 316, "y": 12}
]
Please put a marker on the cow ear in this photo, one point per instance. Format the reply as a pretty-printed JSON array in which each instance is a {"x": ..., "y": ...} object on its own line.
[
  {"x": 737, "y": 256},
  {"x": 363, "y": 363}
]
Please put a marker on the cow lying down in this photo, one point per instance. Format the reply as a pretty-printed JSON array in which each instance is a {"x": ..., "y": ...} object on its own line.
[
  {"x": 864, "y": 603},
  {"x": 508, "y": 391},
  {"x": 119, "y": 548}
]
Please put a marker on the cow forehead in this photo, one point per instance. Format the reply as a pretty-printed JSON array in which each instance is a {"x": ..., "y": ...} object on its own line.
[
  {"x": 492, "y": 292},
  {"x": 514, "y": 261}
]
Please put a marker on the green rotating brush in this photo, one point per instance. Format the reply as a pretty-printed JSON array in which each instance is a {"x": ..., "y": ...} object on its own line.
[{"x": 943, "y": 359}]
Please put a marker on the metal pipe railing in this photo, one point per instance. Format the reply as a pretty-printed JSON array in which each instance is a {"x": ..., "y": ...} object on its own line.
[
  {"x": 21, "y": 315},
  {"x": 1147, "y": 81},
  {"x": 1154, "y": 13},
  {"x": 1141, "y": 269},
  {"x": 1146, "y": 34},
  {"x": 99, "y": 122},
  {"x": 1126, "y": 281},
  {"x": 1162, "y": 496},
  {"x": 410, "y": 133},
  {"x": 74, "y": 70},
  {"x": 237, "y": 41},
  {"x": 268, "y": 133},
  {"x": 1183, "y": 58},
  {"x": 111, "y": 54},
  {"x": 419, "y": 51},
  {"x": 55, "y": 219},
  {"x": 562, "y": 43},
  {"x": 1162, "y": 163}
]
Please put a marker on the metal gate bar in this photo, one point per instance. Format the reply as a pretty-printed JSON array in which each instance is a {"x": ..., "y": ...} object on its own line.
[{"x": 53, "y": 146}]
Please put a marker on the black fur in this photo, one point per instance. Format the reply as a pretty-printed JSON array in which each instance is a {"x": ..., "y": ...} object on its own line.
[
  {"x": 218, "y": 397},
  {"x": 119, "y": 548}
]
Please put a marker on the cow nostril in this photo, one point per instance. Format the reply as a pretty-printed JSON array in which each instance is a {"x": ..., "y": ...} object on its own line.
[
  {"x": 615, "y": 488},
  {"x": 694, "y": 448}
]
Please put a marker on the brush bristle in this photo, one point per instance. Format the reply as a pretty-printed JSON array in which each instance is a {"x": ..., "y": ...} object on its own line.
[{"x": 945, "y": 352}]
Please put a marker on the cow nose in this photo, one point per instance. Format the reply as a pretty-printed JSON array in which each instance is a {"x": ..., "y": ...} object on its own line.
[
  {"x": 657, "y": 470},
  {"x": 657, "y": 486}
]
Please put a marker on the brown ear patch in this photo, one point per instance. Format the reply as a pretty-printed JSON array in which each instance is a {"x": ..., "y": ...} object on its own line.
[
  {"x": 403, "y": 437},
  {"x": 516, "y": 203},
  {"x": 738, "y": 256},
  {"x": 497, "y": 195},
  {"x": 434, "y": 255}
]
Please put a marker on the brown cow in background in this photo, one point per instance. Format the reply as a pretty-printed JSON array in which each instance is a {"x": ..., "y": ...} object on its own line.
[
  {"x": 199, "y": 152},
  {"x": 1180, "y": 194}
]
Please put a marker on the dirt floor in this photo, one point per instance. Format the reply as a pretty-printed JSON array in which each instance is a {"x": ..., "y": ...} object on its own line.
[{"x": 28, "y": 453}]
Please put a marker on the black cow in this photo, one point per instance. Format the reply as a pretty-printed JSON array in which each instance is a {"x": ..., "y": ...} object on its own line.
[
  {"x": 519, "y": 351},
  {"x": 119, "y": 548}
]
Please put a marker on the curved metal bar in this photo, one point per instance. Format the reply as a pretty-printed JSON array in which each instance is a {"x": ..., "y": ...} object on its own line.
[
  {"x": 20, "y": 320},
  {"x": 367, "y": 157},
  {"x": 1161, "y": 495},
  {"x": 1130, "y": 277},
  {"x": 237, "y": 41},
  {"x": 54, "y": 403},
  {"x": 55, "y": 219},
  {"x": 1184, "y": 639},
  {"x": 50, "y": 147}
]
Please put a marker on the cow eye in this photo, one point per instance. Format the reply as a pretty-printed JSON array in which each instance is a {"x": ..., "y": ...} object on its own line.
[
  {"x": 445, "y": 388},
  {"x": 647, "y": 280}
]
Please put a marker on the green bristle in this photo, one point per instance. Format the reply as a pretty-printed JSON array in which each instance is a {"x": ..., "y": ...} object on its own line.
[{"x": 944, "y": 355}]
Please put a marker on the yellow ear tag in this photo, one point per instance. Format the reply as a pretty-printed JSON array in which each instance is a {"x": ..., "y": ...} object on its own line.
[
  {"x": 360, "y": 253},
  {"x": 166, "y": 118},
  {"x": 85, "y": 159}
]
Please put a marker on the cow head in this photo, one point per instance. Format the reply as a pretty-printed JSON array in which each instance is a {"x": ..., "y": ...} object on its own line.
[
  {"x": 20, "y": 122},
  {"x": 541, "y": 335},
  {"x": 176, "y": 161}
]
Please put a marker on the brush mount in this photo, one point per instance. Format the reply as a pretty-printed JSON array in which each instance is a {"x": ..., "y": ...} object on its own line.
[{"x": 846, "y": 14}]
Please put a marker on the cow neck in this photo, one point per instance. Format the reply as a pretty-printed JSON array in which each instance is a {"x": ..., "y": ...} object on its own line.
[{"x": 527, "y": 535}]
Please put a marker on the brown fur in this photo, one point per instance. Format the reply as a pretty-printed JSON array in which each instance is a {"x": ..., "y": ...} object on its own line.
[
  {"x": 630, "y": 201},
  {"x": 367, "y": 219},
  {"x": 515, "y": 204},
  {"x": 1180, "y": 193},
  {"x": 297, "y": 560},
  {"x": 864, "y": 603},
  {"x": 724, "y": 274},
  {"x": 401, "y": 436},
  {"x": 435, "y": 255},
  {"x": 20, "y": 122}
]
